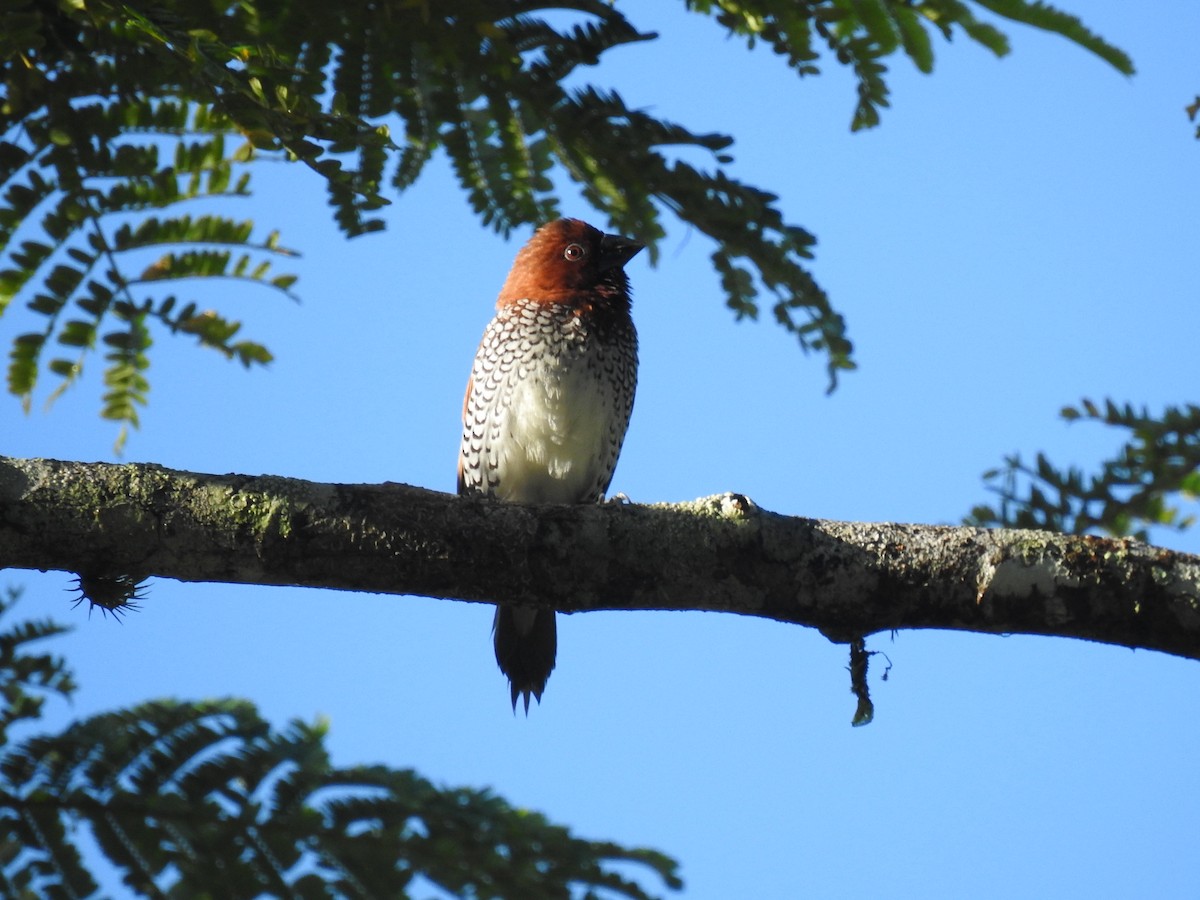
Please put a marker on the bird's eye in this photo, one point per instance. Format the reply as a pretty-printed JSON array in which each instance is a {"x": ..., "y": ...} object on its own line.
[{"x": 574, "y": 252}]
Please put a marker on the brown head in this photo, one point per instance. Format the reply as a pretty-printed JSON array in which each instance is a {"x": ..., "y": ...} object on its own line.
[{"x": 568, "y": 260}]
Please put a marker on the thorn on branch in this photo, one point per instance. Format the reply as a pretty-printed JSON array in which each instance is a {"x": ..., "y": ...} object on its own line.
[{"x": 116, "y": 594}]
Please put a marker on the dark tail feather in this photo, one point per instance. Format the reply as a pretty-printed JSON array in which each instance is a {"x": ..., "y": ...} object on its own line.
[{"x": 526, "y": 640}]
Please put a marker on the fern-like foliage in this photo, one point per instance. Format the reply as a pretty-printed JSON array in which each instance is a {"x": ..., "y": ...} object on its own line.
[
  {"x": 116, "y": 115},
  {"x": 861, "y": 34},
  {"x": 99, "y": 152},
  {"x": 27, "y": 678},
  {"x": 1150, "y": 480},
  {"x": 206, "y": 800}
]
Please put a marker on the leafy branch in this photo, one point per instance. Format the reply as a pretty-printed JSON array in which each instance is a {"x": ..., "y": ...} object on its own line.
[
  {"x": 25, "y": 678},
  {"x": 860, "y": 34},
  {"x": 192, "y": 799},
  {"x": 1140, "y": 486},
  {"x": 73, "y": 179},
  {"x": 116, "y": 113}
]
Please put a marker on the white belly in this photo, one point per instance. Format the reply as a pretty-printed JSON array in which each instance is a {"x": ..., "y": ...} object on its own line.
[{"x": 558, "y": 425}]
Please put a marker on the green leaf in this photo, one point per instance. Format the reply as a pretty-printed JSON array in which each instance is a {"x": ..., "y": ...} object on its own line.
[
  {"x": 1049, "y": 18},
  {"x": 23, "y": 363},
  {"x": 250, "y": 353},
  {"x": 914, "y": 37}
]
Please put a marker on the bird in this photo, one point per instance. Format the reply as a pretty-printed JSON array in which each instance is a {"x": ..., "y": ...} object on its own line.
[{"x": 548, "y": 403}]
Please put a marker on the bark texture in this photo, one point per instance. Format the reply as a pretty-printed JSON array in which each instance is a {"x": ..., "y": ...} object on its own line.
[{"x": 716, "y": 553}]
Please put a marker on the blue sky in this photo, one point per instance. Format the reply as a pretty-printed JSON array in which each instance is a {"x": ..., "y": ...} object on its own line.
[{"x": 1016, "y": 235}]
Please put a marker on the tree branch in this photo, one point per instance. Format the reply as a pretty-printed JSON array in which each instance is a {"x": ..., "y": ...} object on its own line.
[{"x": 717, "y": 553}]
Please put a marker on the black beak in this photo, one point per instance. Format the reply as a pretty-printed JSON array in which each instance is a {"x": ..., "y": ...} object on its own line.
[{"x": 615, "y": 251}]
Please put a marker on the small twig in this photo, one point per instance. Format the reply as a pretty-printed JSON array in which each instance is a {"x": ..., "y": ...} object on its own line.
[{"x": 859, "y": 659}]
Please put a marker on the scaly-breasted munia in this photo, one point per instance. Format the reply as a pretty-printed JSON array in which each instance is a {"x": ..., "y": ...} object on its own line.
[{"x": 548, "y": 402}]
